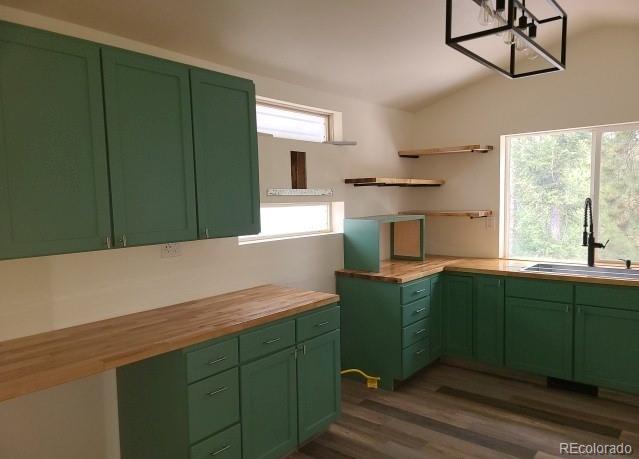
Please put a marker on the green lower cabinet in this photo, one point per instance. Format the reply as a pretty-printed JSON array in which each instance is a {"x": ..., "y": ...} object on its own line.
[
  {"x": 607, "y": 347},
  {"x": 269, "y": 406},
  {"x": 436, "y": 340},
  {"x": 319, "y": 384},
  {"x": 539, "y": 337},
  {"x": 458, "y": 329},
  {"x": 489, "y": 320}
]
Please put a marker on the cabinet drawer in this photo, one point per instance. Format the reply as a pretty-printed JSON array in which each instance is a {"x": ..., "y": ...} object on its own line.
[
  {"x": 417, "y": 310},
  {"x": 539, "y": 290},
  {"x": 608, "y": 297},
  {"x": 211, "y": 360},
  {"x": 214, "y": 404},
  {"x": 415, "y": 357},
  {"x": 267, "y": 340},
  {"x": 415, "y": 290},
  {"x": 414, "y": 332},
  {"x": 317, "y": 323},
  {"x": 225, "y": 445}
]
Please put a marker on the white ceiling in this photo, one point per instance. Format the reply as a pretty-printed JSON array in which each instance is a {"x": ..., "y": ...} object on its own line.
[{"x": 390, "y": 52}]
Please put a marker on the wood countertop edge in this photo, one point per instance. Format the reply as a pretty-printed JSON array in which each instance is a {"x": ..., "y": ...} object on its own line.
[
  {"x": 464, "y": 266},
  {"x": 51, "y": 377}
]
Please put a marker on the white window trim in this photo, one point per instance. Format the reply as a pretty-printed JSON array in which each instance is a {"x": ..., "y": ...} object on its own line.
[
  {"x": 595, "y": 165},
  {"x": 278, "y": 237}
]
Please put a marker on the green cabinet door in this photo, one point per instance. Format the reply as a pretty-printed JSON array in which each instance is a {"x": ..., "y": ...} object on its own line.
[
  {"x": 54, "y": 190},
  {"x": 269, "y": 406},
  {"x": 489, "y": 320},
  {"x": 436, "y": 318},
  {"x": 149, "y": 134},
  {"x": 607, "y": 347},
  {"x": 225, "y": 136},
  {"x": 459, "y": 315},
  {"x": 539, "y": 337},
  {"x": 318, "y": 376}
]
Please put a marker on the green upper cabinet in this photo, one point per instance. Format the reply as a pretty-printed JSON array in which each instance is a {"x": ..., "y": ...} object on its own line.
[
  {"x": 607, "y": 347},
  {"x": 269, "y": 406},
  {"x": 54, "y": 190},
  {"x": 149, "y": 132},
  {"x": 539, "y": 337},
  {"x": 459, "y": 315},
  {"x": 489, "y": 320},
  {"x": 225, "y": 136}
]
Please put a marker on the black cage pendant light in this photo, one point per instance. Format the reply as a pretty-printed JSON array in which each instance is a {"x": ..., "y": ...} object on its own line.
[{"x": 516, "y": 26}]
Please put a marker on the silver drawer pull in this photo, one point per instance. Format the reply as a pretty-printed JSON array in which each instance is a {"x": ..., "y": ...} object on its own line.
[
  {"x": 322, "y": 324},
  {"x": 217, "y": 391},
  {"x": 421, "y": 351},
  {"x": 417, "y": 311},
  {"x": 219, "y": 451},
  {"x": 271, "y": 341},
  {"x": 421, "y": 290},
  {"x": 216, "y": 361},
  {"x": 419, "y": 332}
]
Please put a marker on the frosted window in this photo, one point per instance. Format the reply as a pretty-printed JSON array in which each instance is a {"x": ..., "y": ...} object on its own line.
[
  {"x": 290, "y": 123},
  {"x": 279, "y": 221}
]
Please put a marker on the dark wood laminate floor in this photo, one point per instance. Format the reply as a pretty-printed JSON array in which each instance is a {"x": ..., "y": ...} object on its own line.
[{"x": 451, "y": 412}]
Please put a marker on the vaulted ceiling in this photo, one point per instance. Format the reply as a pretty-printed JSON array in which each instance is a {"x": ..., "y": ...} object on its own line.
[{"x": 389, "y": 52}]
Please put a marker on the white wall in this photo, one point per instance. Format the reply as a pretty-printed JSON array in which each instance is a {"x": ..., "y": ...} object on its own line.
[
  {"x": 79, "y": 420},
  {"x": 598, "y": 87}
]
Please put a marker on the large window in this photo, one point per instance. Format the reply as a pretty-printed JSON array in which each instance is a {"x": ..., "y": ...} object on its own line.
[
  {"x": 293, "y": 123},
  {"x": 548, "y": 177},
  {"x": 283, "y": 221}
]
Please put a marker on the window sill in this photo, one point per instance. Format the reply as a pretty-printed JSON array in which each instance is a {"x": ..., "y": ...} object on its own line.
[{"x": 286, "y": 238}]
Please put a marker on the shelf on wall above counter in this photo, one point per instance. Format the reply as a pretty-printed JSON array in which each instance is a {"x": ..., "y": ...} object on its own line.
[
  {"x": 417, "y": 153},
  {"x": 450, "y": 213},
  {"x": 387, "y": 181}
]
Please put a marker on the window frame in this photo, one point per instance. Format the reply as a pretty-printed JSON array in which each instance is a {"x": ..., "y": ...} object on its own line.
[
  {"x": 305, "y": 110},
  {"x": 597, "y": 133},
  {"x": 293, "y": 235}
]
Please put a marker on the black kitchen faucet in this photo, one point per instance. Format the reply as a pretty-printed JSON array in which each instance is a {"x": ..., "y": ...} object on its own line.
[{"x": 589, "y": 234}]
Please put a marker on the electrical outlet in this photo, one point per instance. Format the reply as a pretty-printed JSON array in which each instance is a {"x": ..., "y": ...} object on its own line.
[{"x": 170, "y": 250}]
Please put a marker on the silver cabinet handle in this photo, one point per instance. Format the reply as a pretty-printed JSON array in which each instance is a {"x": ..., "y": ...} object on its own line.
[
  {"x": 124, "y": 240},
  {"x": 271, "y": 341},
  {"x": 206, "y": 232},
  {"x": 108, "y": 242},
  {"x": 419, "y": 332},
  {"x": 303, "y": 349},
  {"x": 322, "y": 324},
  {"x": 421, "y": 351},
  {"x": 417, "y": 311},
  {"x": 216, "y": 361},
  {"x": 215, "y": 453},
  {"x": 217, "y": 391},
  {"x": 421, "y": 290}
]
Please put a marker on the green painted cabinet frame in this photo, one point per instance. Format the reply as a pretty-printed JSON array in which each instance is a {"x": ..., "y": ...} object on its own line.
[
  {"x": 54, "y": 186},
  {"x": 225, "y": 137},
  {"x": 458, "y": 328},
  {"x": 150, "y": 138},
  {"x": 285, "y": 397},
  {"x": 488, "y": 326}
]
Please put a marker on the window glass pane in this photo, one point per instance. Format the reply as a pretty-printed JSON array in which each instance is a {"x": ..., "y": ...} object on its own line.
[
  {"x": 619, "y": 195},
  {"x": 291, "y": 123},
  {"x": 293, "y": 220},
  {"x": 549, "y": 181}
]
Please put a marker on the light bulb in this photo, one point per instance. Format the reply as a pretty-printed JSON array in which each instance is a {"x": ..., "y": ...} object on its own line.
[
  {"x": 520, "y": 45},
  {"x": 486, "y": 16},
  {"x": 530, "y": 54}
]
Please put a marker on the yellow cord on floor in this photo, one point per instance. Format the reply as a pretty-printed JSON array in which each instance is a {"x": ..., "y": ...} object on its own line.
[{"x": 372, "y": 382}]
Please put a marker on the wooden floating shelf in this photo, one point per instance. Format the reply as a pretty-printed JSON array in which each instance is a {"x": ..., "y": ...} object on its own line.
[
  {"x": 445, "y": 151},
  {"x": 450, "y": 213},
  {"x": 385, "y": 181}
]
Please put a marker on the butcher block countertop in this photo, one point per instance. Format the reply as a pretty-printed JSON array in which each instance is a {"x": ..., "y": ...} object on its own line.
[
  {"x": 401, "y": 271},
  {"x": 45, "y": 360}
]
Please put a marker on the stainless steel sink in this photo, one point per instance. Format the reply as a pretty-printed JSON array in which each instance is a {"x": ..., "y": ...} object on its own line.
[{"x": 583, "y": 270}]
